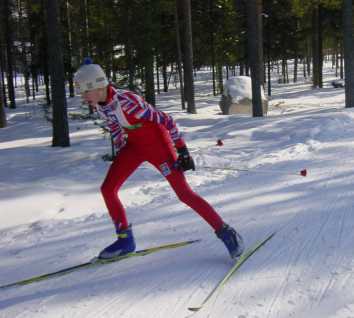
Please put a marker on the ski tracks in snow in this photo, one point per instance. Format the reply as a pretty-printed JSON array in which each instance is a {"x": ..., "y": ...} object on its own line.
[
  {"x": 306, "y": 266},
  {"x": 320, "y": 253}
]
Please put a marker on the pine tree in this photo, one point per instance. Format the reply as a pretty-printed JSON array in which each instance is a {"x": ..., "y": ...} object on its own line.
[
  {"x": 3, "y": 121},
  {"x": 56, "y": 66},
  {"x": 8, "y": 33},
  {"x": 188, "y": 55},
  {"x": 348, "y": 52},
  {"x": 255, "y": 53}
]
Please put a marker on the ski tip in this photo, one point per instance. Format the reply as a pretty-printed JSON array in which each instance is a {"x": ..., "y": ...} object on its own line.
[{"x": 194, "y": 309}]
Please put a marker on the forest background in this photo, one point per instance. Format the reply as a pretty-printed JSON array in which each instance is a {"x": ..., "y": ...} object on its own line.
[{"x": 144, "y": 45}]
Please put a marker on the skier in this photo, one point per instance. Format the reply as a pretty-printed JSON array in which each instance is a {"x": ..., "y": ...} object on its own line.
[{"x": 141, "y": 133}]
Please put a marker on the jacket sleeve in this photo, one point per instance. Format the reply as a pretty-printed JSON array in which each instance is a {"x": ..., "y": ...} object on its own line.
[{"x": 143, "y": 111}]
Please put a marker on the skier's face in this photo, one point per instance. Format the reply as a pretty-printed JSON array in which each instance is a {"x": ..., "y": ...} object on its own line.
[{"x": 94, "y": 96}]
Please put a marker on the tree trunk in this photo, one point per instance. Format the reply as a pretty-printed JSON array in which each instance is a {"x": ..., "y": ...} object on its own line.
[
  {"x": 157, "y": 74},
  {"x": 149, "y": 78},
  {"x": 44, "y": 53},
  {"x": 68, "y": 55},
  {"x": 348, "y": 52},
  {"x": 188, "y": 56},
  {"x": 254, "y": 22},
  {"x": 242, "y": 69},
  {"x": 148, "y": 53},
  {"x": 86, "y": 46},
  {"x": 220, "y": 78},
  {"x": 268, "y": 47},
  {"x": 2, "y": 79},
  {"x": 296, "y": 60},
  {"x": 34, "y": 82},
  {"x": 179, "y": 53},
  {"x": 33, "y": 66},
  {"x": 46, "y": 80},
  {"x": 213, "y": 74},
  {"x": 131, "y": 65},
  {"x": 9, "y": 57},
  {"x": 3, "y": 121},
  {"x": 286, "y": 71},
  {"x": 25, "y": 66},
  {"x": 129, "y": 51},
  {"x": 341, "y": 67},
  {"x": 57, "y": 77},
  {"x": 212, "y": 48},
  {"x": 164, "y": 75},
  {"x": 317, "y": 47},
  {"x": 269, "y": 77},
  {"x": 336, "y": 61}
]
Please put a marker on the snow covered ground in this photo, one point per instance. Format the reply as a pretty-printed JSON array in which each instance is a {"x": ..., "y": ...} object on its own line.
[{"x": 52, "y": 214}]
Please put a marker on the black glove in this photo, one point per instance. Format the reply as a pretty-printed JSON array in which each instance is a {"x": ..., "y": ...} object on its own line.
[
  {"x": 184, "y": 161},
  {"x": 108, "y": 157}
]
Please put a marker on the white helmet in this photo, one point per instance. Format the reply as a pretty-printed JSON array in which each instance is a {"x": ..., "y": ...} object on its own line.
[{"x": 90, "y": 76}]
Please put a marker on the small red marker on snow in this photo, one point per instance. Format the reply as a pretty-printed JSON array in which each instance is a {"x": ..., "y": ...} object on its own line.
[
  {"x": 219, "y": 142},
  {"x": 303, "y": 172}
]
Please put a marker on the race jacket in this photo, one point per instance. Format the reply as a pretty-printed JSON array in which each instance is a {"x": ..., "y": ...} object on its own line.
[{"x": 125, "y": 111}]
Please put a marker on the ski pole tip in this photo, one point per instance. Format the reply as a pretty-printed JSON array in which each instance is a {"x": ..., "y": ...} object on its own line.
[{"x": 303, "y": 172}]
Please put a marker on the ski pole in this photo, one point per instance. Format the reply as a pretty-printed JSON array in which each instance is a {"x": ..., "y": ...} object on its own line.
[{"x": 302, "y": 172}]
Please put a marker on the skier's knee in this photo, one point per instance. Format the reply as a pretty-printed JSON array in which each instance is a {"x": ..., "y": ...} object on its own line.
[
  {"x": 106, "y": 188},
  {"x": 184, "y": 196}
]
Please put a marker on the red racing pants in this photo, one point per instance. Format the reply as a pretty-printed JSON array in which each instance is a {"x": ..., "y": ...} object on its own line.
[{"x": 156, "y": 148}]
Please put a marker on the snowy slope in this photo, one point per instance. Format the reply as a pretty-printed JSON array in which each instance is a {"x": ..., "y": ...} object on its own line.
[{"x": 52, "y": 215}]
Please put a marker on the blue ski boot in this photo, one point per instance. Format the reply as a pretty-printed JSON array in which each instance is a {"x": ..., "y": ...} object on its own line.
[
  {"x": 232, "y": 240},
  {"x": 125, "y": 244}
]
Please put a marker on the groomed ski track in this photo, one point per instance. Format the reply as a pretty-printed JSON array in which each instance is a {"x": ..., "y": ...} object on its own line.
[{"x": 304, "y": 270}]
